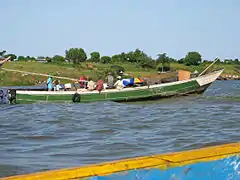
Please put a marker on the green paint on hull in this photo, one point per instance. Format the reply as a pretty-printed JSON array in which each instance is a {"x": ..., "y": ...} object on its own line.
[{"x": 170, "y": 90}]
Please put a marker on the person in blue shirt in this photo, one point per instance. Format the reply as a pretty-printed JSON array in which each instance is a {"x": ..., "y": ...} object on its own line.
[{"x": 49, "y": 83}]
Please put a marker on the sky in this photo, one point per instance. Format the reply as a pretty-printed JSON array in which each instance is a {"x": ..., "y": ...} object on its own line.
[{"x": 49, "y": 27}]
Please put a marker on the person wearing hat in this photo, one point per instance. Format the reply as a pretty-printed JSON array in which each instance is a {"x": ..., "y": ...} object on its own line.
[
  {"x": 119, "y": 84},
  {"x": 3, "y": 60}
]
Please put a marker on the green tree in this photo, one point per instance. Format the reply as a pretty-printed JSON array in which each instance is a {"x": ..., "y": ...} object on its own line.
[
  {"x": 172, "y": 60},
  {"x": 2, "y": 53},
  {"x": 95, "y": 57},
  {"x": 32, "y": 58},
  {"x": 116, "y": 58},
  {"x": 131, "y": 57},
  {"x": 76, "y": 55},
  {"x": 146, "y": 62},
  {"x": 58, "y": 59},
  {"x": 136, "y": 56},
  {"x": 13, "y": 56},
  {"x": 193, "y": 58},
  {"x": 206, "y": 61},
  {"x": 21, "y": 58},
  {"x": 164, "y": 61},
  {"x": 236, "y": 61},
  {"x": 181, "y": 61},
  {"x": 105, "y": 59},
  {"x": 48, "y": 59},
  {"x": 123, "y": 57}
]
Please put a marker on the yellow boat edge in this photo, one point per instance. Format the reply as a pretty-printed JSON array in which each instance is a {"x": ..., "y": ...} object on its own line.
[{"x": 162, "y": 161}]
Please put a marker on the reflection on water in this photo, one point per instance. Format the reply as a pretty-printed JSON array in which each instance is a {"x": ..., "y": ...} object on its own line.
[{"x": 36, "y": 137}]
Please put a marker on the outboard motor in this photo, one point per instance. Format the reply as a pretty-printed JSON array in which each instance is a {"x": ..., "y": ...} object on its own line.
[{"x": 7, "y": 96}]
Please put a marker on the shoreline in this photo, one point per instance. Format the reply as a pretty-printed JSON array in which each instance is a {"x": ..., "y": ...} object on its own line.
[{"x": 95, "y": 71}]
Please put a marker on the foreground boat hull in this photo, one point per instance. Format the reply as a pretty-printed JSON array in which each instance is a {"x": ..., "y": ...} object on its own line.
[
  {"x": 197, "y": 85},
  {"x": 217, "y": 162}
]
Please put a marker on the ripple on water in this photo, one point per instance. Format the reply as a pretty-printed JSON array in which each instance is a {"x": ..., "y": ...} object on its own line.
[{"x": 35, "y": 137}]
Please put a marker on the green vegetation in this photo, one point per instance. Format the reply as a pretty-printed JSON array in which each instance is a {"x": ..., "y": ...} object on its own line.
[{"x": 134, "y": 63}]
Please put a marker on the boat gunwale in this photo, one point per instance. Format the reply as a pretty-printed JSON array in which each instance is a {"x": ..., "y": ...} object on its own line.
[
  {"x": 160, "y": 161},
  {"x": 27, "y": 92}
]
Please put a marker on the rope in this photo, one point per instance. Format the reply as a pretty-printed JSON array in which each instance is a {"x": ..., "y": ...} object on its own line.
[{"x": 39, "y": 74}]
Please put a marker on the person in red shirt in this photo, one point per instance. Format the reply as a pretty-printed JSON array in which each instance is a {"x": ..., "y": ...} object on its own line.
[
  {"x": 82, "y": 82},
  {"x": 99, "y": 85}
]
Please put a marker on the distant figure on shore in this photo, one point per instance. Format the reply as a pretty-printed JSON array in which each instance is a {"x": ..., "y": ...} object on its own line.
[
  {"x": 3, "y": 60},
  {"x": 50, "y": 83}
]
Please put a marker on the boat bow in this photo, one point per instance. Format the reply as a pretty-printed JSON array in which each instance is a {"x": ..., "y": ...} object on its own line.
[{"x": 209, "y": 78}]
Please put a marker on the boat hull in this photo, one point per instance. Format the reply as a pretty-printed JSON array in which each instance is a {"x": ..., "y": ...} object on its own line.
[
  {"x": 197, "y": 85},
  {"x": 216, "y": 162}
]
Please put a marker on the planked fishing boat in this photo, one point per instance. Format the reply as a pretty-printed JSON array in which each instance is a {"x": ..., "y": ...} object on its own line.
[
  {"x": 194, "y": 85},
  {"x": 216, "y": 162},
  {"x": 184, "y": 87}
]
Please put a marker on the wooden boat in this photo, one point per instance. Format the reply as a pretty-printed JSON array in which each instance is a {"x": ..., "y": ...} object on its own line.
[
  {"x": 156, "y": 91},
  {"x": 216, "y": 162}
]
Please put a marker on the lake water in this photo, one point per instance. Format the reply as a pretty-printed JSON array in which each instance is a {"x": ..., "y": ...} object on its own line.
[{"x": 36, "y": 137}]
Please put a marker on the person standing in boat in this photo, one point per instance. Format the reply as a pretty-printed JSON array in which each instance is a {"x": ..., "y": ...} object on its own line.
[
  {"x": 50, "y": 83},
  {"x": 110, "y": 81},
  {"x": 4, "y": 60}
]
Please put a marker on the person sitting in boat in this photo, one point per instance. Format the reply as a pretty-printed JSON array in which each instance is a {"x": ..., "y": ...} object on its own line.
[
  {"x": 82, "y": 81},
  {"x": 50, "y": 83},
  {"x": 4, "y": 60},
  {"x": 56, "y": 85},
  {"x": 99, "y": 85},
  {"x": 119, "y": 83},
  {"x": 91, "y": 85}
]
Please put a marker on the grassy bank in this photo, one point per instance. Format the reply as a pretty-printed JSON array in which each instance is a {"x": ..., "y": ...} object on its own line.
[{"x": 89, "y": 69}]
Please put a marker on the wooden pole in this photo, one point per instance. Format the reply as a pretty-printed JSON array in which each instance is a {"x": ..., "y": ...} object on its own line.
[
  {"x": 208, "y": 67},
  {"x": 2, "y": 62}
]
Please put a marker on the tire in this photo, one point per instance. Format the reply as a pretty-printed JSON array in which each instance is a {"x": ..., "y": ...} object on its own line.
[
  {"x": 76, "y": 98},
  {"x": 12, "y": 96}
]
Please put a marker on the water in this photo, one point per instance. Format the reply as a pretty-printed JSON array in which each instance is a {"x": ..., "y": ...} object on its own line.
[{"x": 49, "y": 136}]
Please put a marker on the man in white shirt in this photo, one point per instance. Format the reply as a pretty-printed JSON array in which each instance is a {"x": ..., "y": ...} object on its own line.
[{"x": 119, "y": 83}]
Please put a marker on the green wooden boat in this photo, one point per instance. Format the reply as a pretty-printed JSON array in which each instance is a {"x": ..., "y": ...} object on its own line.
[{"x": 156, "y": 91}]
